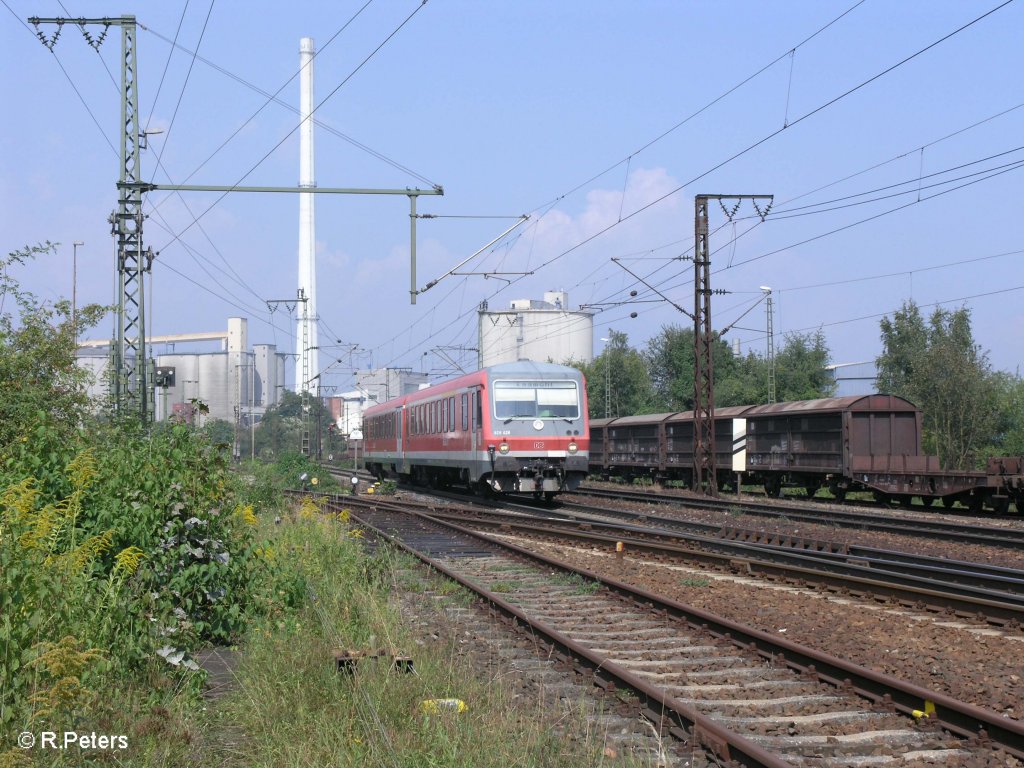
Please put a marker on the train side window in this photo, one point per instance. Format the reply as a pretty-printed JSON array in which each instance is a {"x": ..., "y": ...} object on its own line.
[
  {"x": 479, "y": 410},
  {"x": 444, "y": 416},
  {"x": 465, "y": 411}
]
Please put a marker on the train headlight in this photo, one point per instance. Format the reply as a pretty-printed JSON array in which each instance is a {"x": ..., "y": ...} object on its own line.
[
  {"x": 573, "y": 447},
  {"x": 503, "y": 449}
]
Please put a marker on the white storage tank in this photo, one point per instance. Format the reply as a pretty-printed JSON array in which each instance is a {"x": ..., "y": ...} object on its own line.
[{"x": 530, "y": 329}]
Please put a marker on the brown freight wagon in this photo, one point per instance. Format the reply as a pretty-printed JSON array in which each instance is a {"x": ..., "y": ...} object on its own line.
[{"x": 864, "y": 442}]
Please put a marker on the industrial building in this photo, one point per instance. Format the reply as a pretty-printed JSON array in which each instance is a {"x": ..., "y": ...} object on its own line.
[
  {"x": 234, "y": 382},
  {"x": 544, "y": 331}
]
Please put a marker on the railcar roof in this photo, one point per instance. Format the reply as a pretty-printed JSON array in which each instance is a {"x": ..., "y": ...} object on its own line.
[
  {"x": 875, "y": 402},
  {"x": 530, "y": 368}
]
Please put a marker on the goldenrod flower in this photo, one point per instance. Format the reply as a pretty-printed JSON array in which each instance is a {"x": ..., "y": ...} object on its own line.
[{"x": 127, "y": 560}]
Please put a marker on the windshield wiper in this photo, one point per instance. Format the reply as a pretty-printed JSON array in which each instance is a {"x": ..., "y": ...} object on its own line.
[{"x": 517, "y": 416}]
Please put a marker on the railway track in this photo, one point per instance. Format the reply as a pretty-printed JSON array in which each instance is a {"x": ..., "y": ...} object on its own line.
[
  {"x": 740, "y": 693},
  {"x": 933, "y": 588},
  {"x": 968, "y": 590},
  {"x": 1012, "y": 538},
  {"x": 962, "y": 572}
]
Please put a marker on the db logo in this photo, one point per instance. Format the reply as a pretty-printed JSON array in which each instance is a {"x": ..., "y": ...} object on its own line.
[{"x": 538, "y": 446}]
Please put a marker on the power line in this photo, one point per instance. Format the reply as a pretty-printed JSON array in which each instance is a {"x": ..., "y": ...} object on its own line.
[
  {"x": 184, "y": 85},
  {"x": 706, "y": 107},
  {"x": 273, "y": 97},
  {"x": 315, "y": 109},
  {"x": 1015, "y": 167},
  {"x": 775, "y": 133},
  {"x": 167, "y": 66}
]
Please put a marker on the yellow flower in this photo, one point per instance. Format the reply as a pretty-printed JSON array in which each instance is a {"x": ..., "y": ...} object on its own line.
[
  {"x": 246, "y": 513},
  {"x": 127, "y": 560},
  {"x": 82, "y": 469}
]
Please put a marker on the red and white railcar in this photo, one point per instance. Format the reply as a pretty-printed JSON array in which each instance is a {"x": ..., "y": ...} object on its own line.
[{"x": 513, "y": 428}]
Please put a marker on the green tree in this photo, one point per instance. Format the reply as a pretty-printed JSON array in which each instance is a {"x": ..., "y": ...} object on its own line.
[
  {"x": 1008, "y": 435},
  {"x": 670, "y": 362},
  {"x": 938, "y": 366},
  {"x": 618, "y": 383},
  {"x": 747, "y": 384},
  {"x": 801, "y": 368},
  {"x": 38, "y": 376}
]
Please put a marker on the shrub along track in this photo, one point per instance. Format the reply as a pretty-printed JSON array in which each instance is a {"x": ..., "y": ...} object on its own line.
[{"x": 743, "y": 693}]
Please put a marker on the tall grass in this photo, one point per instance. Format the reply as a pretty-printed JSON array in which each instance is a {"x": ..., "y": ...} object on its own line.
[{"x": 295, "y": 709}]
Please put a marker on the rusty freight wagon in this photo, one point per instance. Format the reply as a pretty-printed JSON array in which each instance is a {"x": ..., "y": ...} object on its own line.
[
  {"x": 867, "y": 442},
  {"x": 860, "y": 443}
]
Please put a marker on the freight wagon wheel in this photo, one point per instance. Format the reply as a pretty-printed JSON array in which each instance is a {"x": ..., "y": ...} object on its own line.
[
  {"x": 812, "y": 488},
  {"x": 927, "y": 500},
  {"x": 773, "y": 487},
  {"x": 948, "y": 502}
]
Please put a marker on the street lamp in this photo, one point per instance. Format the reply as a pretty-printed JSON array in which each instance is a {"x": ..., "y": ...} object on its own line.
[{"x": 74, "y": 287}]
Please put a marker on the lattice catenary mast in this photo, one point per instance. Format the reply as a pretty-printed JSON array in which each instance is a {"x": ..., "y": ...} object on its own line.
[{"x": 129, "y": 371}]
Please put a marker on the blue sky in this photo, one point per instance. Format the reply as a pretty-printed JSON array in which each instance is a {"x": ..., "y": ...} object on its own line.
[{"x": 548, "y": 109}]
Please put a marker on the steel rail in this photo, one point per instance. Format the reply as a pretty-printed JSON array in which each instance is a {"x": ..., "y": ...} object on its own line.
[
  {"x": 996, "y": 607},
  {"x": 960, "y": 718},
  {"x": 997, "y": 537},
  {"x": 685, "y": 722}
]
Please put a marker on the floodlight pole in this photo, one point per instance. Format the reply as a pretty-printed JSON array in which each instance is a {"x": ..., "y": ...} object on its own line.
[{"x": 704, "y": 476}]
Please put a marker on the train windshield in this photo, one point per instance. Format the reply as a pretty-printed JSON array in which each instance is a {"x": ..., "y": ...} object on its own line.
[{"x": 536, "y": 400}]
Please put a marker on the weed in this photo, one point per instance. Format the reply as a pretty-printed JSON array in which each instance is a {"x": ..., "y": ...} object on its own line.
[
  {"x": 695, "y": 581},
  {"x": 578, "y": 584},
  {"x": 387, "y": 488},
  {"x": 504, "y": 586}
]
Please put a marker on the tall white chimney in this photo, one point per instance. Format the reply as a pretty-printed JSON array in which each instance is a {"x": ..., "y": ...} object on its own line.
[{"x": 306, "y": 358}]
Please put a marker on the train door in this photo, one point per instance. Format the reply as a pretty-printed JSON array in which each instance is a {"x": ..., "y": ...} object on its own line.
[
  {"x": 399, "y": 441},
  {"x": 476, "y": 439}
]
